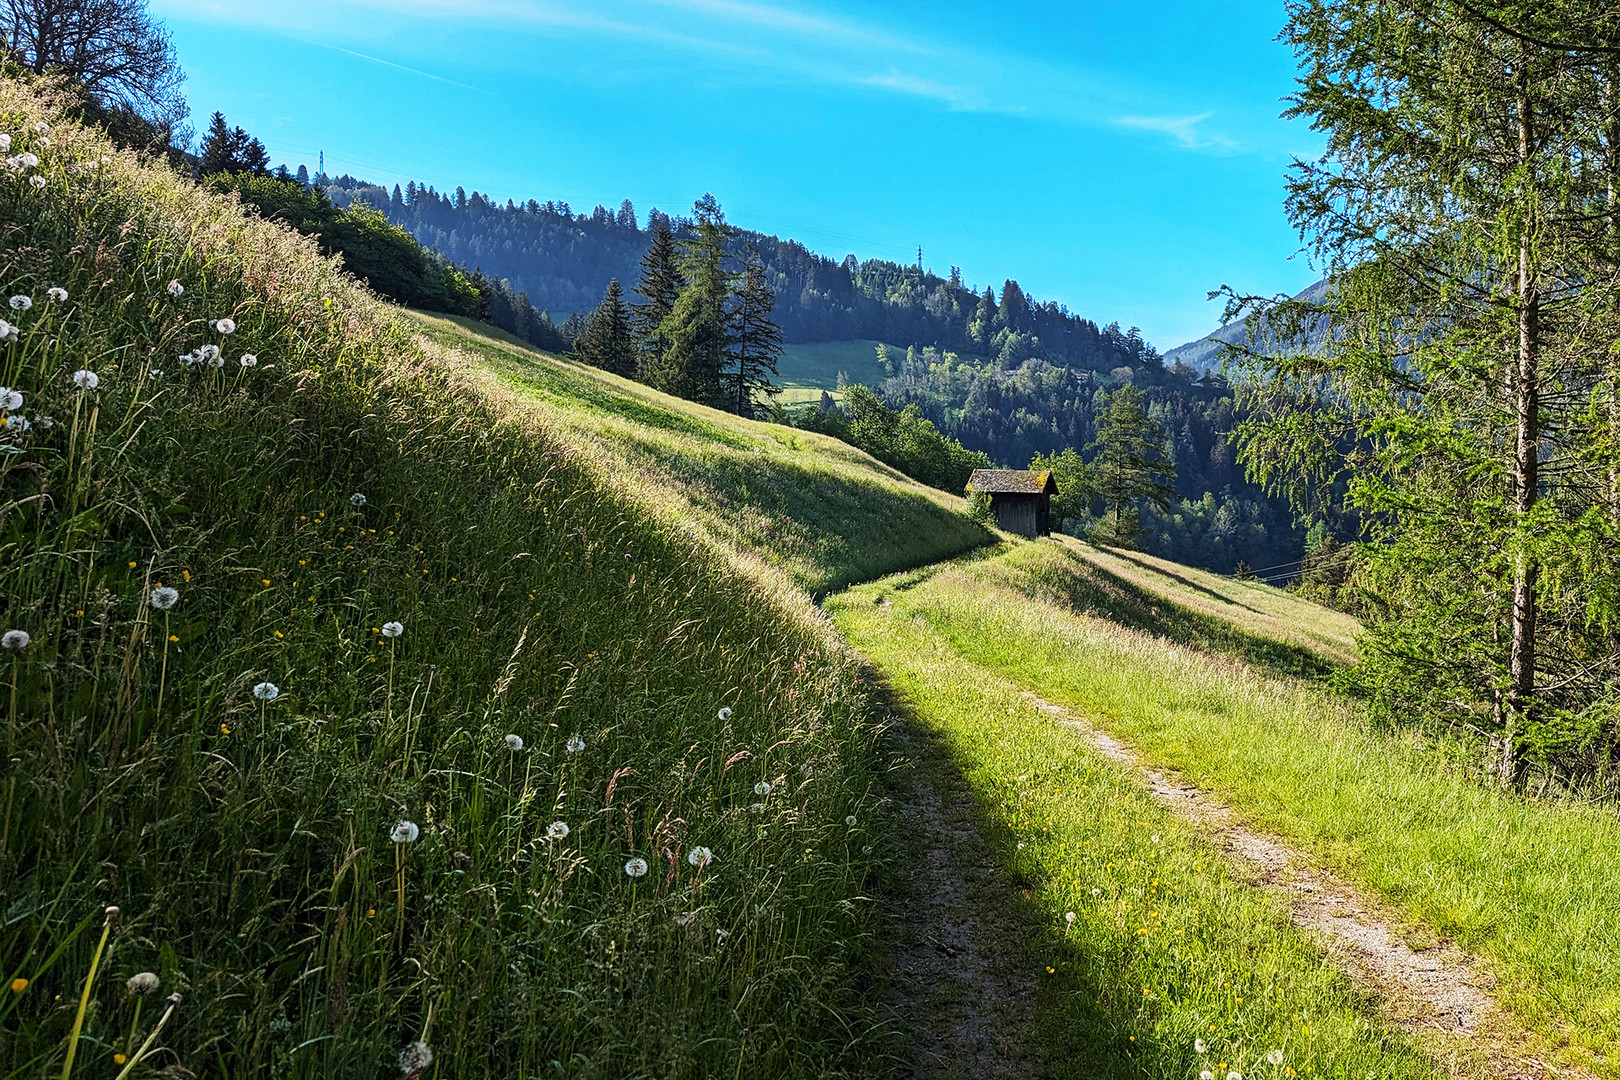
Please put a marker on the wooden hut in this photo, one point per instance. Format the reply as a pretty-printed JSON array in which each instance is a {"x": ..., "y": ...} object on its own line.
[{"x": 1021, "y": 499}]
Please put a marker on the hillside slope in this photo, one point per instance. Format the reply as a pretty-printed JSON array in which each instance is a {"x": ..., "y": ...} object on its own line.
[{"x": 386, "y": 707}]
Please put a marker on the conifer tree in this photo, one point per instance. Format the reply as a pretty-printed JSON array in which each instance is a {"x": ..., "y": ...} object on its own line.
[
  {"x": 1129, "y": 466},
  {"x": 756, "y": 341},
  {"x": 605, "y": 342},
  {"x": 661, "y": 285},
  {"x": 697, "y": 329}
]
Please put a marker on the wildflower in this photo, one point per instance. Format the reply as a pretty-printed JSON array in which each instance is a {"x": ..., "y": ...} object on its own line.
[
  {"x": 514, "y": 742},
  {"x": 225, "y": 326},
  {"x": 10, "y": 400},
  {"x": 144, "y": 982},
  {"x": 575, "y": 744},
  {"x": 636, "y": 867},
  {"x": 725, "y": 714},
  {"x": 175, "y": 288},
  {"x": 1096, "y": 892},
  {"x": 357, "y": 499},
  {"x": 15, "y": 640},
  {"x": 18, "y": 985},
  {"x": 249, "y": 360},
  {"x": 85, "y": 379},
  {"x": 762, "y": 788},
  {"x": 16, "y": 423},
  {"x": 404, "y": 832},
  {"x": 700, "y": 857},
  {"x": 155, "y": 373},
  {"x": 415, "y": 1058},
  {"x": 392, "y": 629},
  {"x": 164, "y": 597},
  {"x": 266, "y": 691},
  {"x": 557, "y": 830},
  {"x": 37, "y": 181},
  {"x": 21, "y": 303},
  {"x": 1200, "y": 1046},
  {"x": 1275, "y": 1057},
  {"x": 56, "y": 294}
]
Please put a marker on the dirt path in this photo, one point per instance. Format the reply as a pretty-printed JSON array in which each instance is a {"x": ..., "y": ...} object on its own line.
[
  {"x": 1435, "y": 992},
  {"x": 966, "y": 985}
]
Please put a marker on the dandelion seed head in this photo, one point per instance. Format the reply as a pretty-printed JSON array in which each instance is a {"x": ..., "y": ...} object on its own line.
[
  {"x": 756, "y": 808},
  {"x": 1275, "y": 1057},
  {"x": 5, "y": 144},
  {"x": 1206, "y": 1075},
  {"x": 762, "y": 788},
  {"x": 21, "y": 303},
  {"x": 266, "y": 691},
  {"x": 415, "y": 1058},
  {"x": 85, "y": 379},
  {"x": 514, "y": 742},
  {"x": 1155, "y": 838},
  {"x": 144, "y": 982},
  {"x": 225, "y": 326},
  {"x": 1096, "y": 892},
  {"x": 636, "y": 867},
  {"x": 16, "y": 423},
  {"x": 249, "y": 360},
  {"x": 725, "y": 714},
  {"x": 175, "y": 288},
  {"x": 1068, "y": 917},
  {"x": 1200, "y": 1046},
  {"x": 357, "y": 499},
  {"x": 392, "y": 629},
  {"x": 10, "y": 400},
  {"x": 15, "y": 640},
  {"x": 557, "y": 830},
  {"x": 164, "y": 597},
  {"x": 37, "y": 181},
  {"x": 56, "y": 294},
  {"x": 209, "y": 354},
  {"x": 700, "y": 857},
  {"x": 850, "y": 821},
  {"x": 684, "y": 920},
  {"x": 575, "y": 744},
  {"x": 155, "y": 373},
  {"x": 41, "y": 128},
  {"x": 1234, "y": 1075},
  {"x": 404, "y": 832}
]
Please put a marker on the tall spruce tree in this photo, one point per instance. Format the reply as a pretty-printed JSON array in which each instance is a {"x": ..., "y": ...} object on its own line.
[
  {"x": 661, "y": 285},
  {"x": 1461, "y": 209},
  {"x": 698, "y": 329},
  {"x": 606, "y": 341},
  {"x": 756, "y": 341},
  {"x": 1130, "y": 465}
]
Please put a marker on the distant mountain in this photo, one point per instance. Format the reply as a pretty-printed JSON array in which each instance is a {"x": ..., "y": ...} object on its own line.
[{"x": 1206, "y": 353}]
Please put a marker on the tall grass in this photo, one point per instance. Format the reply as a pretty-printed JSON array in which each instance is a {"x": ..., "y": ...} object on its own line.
[
  {"x": 1526, "y": 884},
  {"x": 668, "y": 696},
  {"x": 1153, "y": 958}
]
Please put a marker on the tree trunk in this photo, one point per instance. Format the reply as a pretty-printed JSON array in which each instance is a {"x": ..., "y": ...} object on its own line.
[{"x": 1527, "y": 405}]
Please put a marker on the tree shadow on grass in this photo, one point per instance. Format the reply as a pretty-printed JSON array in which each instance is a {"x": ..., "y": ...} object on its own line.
[{"x": 1089, "y": 589}]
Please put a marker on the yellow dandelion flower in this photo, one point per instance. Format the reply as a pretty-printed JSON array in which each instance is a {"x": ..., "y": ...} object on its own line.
[
  {"x": 370, "y": 912},
  {"x": 174, "y": 637},
  {"x": 300, "y": 562},
  {"x": 18, "y": 985},
  {"x": 280, "y": 634},
  {"x": 186, "y": 574},
  {"x": 119, "y": 1059},
  {"x": 224, "y": 729},
  {"x": 132, "y": 564},
  {"x": 79, "y": 612},
  {"x": 264, "y": 581},
  {"x": 1051, "y": 971}
]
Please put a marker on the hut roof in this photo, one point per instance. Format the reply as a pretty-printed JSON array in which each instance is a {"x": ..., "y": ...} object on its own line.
[{"x": 1012, "y": 481}]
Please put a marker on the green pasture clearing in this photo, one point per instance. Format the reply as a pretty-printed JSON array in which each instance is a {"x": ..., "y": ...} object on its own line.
[
  {"x": 818, "y": 508},
  {"x": 816, "y": 365},
  {"x": 1526, "y": 884}
]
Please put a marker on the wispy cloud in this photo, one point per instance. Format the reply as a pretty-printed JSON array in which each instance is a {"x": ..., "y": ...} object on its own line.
[
  {"x": 402, "y": 67},
  {"x": 1184, "y": 129}
]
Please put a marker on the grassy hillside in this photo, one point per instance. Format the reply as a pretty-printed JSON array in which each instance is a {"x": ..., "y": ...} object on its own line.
[
  {"x": 1128, "y": 644},
  {"x": 455, "y": 728},
  {"x": 826, "y": 513},
  {"x": 817, "y": 364}
]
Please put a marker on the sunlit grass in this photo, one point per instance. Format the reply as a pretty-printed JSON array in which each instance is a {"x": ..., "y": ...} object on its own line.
[
  {"x": 1526, "y": 884},
  {"x": 1148, "y": 943}
]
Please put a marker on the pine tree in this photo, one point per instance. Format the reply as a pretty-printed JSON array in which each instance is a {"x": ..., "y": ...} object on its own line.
[
  {"x": 231, "y": 150},
  {"x": 756, "y": 341},
  {"x": 661, "y": 285},
  {"x": 697, "y": 329},
  {"x": 605, "y": 342},
  {"x": 1129, "y": 466}
]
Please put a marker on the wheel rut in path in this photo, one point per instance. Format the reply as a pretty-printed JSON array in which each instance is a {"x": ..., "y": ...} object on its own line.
[{"x": 1438, "y": 994}]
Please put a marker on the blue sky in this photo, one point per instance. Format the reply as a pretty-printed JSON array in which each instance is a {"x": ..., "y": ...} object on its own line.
[{"x": 1121, "y": 158}]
